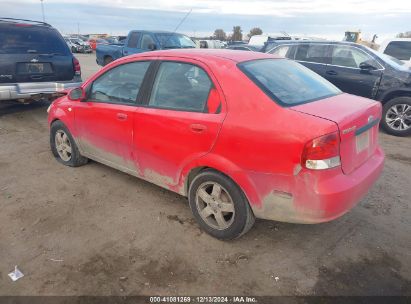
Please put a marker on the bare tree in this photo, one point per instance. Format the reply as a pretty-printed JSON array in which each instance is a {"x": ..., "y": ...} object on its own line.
[
  {"x": 404, "y": 35},
  {"x": 255, "y": 31},
  {"x": 219, "y": 34},
  {"x": 237, "y": 33}
]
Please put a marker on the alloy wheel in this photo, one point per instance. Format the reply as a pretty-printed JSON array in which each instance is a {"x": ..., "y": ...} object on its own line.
[
  {"x": 63, "y": 145},
  {"x": 398, "y": 117},
  {"x": 215, "y": 205}
]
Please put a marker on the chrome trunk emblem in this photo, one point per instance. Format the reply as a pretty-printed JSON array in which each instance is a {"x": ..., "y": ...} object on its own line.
[
  {"x": 34, "y": 60},
  {"x": 345, "y": 131}
]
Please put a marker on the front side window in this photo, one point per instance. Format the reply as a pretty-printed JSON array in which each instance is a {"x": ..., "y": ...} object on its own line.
[
  {"x": 399, "y": 49},
  {"x": 119, "y": 85},
  {"x": 287, "y": 82},
  {"x": 350, "y": 57},
  {"x": 180, "y": 86},
  {"x": 312, "y": 53}
]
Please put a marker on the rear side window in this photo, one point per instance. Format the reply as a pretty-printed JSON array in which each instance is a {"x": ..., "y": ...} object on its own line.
[
  {"x": 287, "y": 82},
  {"x": 146, "y": 41},
  {"x": 180, "y": 86},
  {"x": 312, "y": 53},
  {"x": 23, "y": 39},
  {"x": 120, "y": 85},
  {"x": 132, "y": 41},
  {"x": 281, "y": 51},
  {"x": 399, "y": 49}
]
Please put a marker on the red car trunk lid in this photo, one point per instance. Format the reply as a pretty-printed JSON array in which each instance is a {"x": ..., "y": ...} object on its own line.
[{"x": 357, "y": 119}]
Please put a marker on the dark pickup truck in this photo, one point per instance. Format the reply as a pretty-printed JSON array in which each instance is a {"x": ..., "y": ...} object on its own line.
[
  {"x": 142, "y": 41},
  {"x": 35, "y": 61}
]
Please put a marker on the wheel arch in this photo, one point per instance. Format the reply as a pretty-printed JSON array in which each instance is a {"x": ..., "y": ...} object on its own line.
[
  {"x": 394, "y": 94},
  {"x": 108, "y": 57},
  {"x": 223, "y": 166}
]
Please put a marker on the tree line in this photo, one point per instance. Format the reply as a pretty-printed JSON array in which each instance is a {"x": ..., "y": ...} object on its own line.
[
  {"x": 236, "y": 35},
  {"x": 404, "y": 35}
]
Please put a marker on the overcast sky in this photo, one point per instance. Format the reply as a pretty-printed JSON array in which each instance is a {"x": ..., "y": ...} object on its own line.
[{"x": 325, "y": 18}]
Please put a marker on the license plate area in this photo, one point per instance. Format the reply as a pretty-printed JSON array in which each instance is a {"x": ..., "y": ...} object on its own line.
[
  {"x": 362, "y": 141},
  {"x": 27, "y": 68}
]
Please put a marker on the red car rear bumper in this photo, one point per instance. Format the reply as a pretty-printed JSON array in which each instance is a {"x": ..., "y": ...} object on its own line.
[{"x": 315, "y": 196}]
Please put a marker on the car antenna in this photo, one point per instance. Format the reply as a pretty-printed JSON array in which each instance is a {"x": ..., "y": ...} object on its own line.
[{"x": 178, "y": 25}]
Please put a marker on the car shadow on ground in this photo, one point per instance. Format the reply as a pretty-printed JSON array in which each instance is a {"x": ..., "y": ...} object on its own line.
[{"x": 11, "y": 107}]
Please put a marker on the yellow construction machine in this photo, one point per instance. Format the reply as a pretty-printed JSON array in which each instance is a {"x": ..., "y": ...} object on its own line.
[{"x": 355, "y": 36}]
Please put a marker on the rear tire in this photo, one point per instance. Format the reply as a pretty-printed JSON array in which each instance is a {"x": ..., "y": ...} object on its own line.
[
  {"x": 107, "y": 60},
  {"x": 219, "y": 206},
  {"x": 396, "y": 116},
  {"x": 64, "y": 147}
]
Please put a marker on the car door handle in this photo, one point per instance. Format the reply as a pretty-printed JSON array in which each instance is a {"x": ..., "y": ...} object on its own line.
[
  {"x": 331, "y": 72},
  {"x": 198, "y": 128},
  {"x": 121, "y": 116}
]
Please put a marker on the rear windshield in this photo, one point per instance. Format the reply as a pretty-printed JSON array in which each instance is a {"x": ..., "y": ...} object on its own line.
[
  {"x": 399, "y": 49},
  {"x": 288, "y": 82},
  {"x": 22, "y": 39}
]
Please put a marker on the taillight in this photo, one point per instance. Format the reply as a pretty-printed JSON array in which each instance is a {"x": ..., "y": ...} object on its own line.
[
  {"x": 77, "y": 68},
  {"x": 322, "y": 152}
]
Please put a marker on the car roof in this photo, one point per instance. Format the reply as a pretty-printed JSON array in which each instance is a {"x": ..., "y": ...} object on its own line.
[
  {"x": 18, "y": 21},
  {"x": 252, "y": 46},
  {"x": 156, "y": 32},
  {"x": 312, "y": 41},
  {"x": 272, "y": 44},
  {"x": 208, "y": 54},
  {"x": 397, "y": 39}
]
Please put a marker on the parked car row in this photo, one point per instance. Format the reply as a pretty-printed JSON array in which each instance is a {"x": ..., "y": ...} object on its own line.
[
  {"x": 353, "y": 68},
  {"x": 77, "y": 45},
  {"x": 139, "y": 42}
]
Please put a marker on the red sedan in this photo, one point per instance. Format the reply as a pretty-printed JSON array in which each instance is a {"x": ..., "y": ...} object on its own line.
[{"x": 241, "y": 134}]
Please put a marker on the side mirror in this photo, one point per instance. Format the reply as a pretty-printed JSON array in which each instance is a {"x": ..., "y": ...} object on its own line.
[
  {"x": 77, "y": 94},
  {"x": 152, "y": 47},
  {"x": 367, "y": 66}
]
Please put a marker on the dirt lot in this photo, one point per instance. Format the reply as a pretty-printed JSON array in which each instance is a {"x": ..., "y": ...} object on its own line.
[{"x": 96, "y": 231}]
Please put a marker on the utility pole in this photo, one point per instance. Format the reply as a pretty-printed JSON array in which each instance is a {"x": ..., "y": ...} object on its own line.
[
  {"x": 78, "y": 28},
  {"x": 42, "y": 10}
]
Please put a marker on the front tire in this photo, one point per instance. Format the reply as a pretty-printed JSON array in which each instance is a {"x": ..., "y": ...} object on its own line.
[
  {"x": 396, "y": 116},
  {"x": 64, "y": 147},
  {"x": 219, "y": 206},
  {"x": 107, "y": 60}
]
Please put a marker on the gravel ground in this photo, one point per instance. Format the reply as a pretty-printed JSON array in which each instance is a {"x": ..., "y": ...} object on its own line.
[{"x": 96, "y": 231}]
